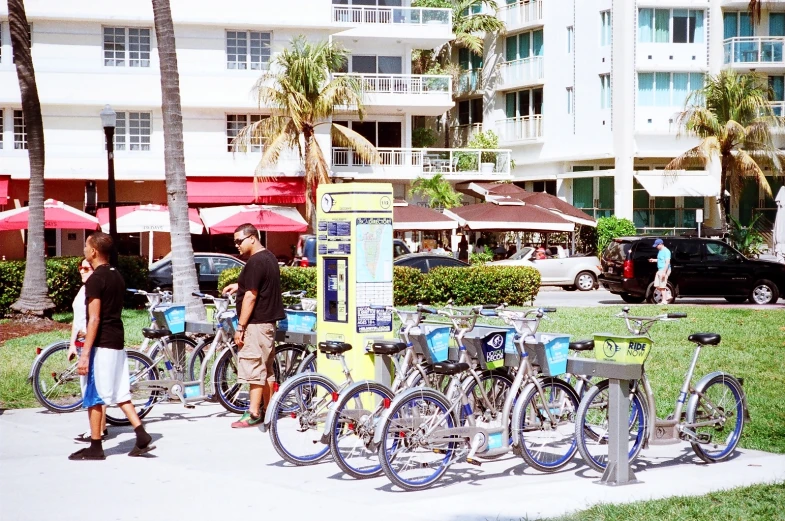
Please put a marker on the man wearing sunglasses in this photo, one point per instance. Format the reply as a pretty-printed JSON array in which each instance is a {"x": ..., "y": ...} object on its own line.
[{"x": 259, "y": 307}]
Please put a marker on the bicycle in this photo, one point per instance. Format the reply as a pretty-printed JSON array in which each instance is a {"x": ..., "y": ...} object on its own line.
[
  {"x": 716, "y": 408},
  {"x": 425, "y": 431}
]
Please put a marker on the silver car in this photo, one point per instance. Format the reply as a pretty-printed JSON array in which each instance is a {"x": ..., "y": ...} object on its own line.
[{"x": 568, "y": 272}]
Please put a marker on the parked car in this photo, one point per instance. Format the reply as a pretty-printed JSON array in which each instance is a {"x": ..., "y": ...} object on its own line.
[
  {"x": 209, "y": 267},
  {"x": 305, "y": 254},
  {"x": 700, "y": 268},
  {"x": 425, "y": 262},
  {"x": 578, "y": 272}
]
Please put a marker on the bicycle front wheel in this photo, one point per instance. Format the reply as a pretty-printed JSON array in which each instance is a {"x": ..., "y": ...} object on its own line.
[
  {"x": 288, "y": 358},
  {"x": 546, "y": 425},
  {"x": 298, "y": 419},
  {"x": 172, "y": 356},
  {"x": 140, "y": 370},
  {"x": 353, "y": 427},
  {"x": 55, "y": 380},
  {"x": 592, "y": 422},
  {"x": 719, "y": 413},
  {"x": 232, "y": 394}
]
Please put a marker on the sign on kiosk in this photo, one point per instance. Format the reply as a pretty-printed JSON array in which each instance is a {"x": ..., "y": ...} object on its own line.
[{"x": 354, "y": 262}]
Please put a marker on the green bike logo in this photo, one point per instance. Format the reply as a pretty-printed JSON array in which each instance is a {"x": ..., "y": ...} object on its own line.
[{"x": 610, "y": 348}]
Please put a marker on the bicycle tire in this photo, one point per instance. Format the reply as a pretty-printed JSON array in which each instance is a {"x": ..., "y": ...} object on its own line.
[
  {"x": 543, "y": 447},
  {"x": 233, "y": 395},
  {"x": 288, "y": 358},
  {"x": 496, "y": 393},
  {"x": 358, "y": 431},
  {"x": 308, "y": 365},
  {"x": 697, "y": 411},
  {"x": 395, "y": 440},
  {"x": 295, "y": 425},
  {"x": 591, "y": 422},
  {"x": 184, "y": 345},
  {"x": 66, "y": 393},
  {"x": 140, "y": 367}
]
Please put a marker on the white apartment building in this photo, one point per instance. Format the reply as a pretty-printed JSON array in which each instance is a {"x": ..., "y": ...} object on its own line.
[{"x": 583, "y": 94}]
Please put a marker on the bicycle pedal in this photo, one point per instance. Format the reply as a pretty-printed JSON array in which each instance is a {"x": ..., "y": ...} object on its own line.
[{"x": 474, "y": 462}]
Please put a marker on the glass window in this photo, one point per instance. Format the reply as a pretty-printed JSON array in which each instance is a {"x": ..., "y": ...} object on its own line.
[
  {"x": 570, "y": 31},
  {"x": 569, "y": 100},
  {"x": 605, "y": 91},
  {"x": 235, "y": 123},
  {"x": 730, "y": 25},
  {"x": 510, "y": 104},
  {"x": 248, "y": 50},
  {"x": 646, "y": 89},
  {"x": 687, "y": 251},
  {"x": 664, "y": 212},
  {"x": 680, "y": 26},
  {"x": 662, "y": 87},
  {"x": 20, "y": 131},
  {"x": 537, "y": 43},
  {"x": 583, "y": 191},
  {"x": 133, "y": 131},
  {"x": 662, "y": 25},
  {"x": 776, "y": 24},
  {"x": 463, "y": 113},
  {"x": 138, "y": 47},
  {"x": 718, "y": 252},
  {"x": 223, "y": 263},
  {"x": 511, "y": 48},
  {"x": 646, "y": 25},
  {"x": 605, "y": 28}
]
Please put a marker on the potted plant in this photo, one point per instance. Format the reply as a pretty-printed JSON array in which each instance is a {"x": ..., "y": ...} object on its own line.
[{"x": 486, "y": 141}]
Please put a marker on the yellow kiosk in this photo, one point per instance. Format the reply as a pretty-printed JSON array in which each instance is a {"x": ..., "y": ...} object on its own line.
[{"x": 354, "y": 259}]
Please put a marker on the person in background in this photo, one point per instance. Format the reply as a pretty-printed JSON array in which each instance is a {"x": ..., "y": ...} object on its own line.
[
  {"x": 511, "y": 250},
  {"x": 463, "y": 249},
  {"x": 541, "y": 254},
  {"x": 78, "y": 333},
  {"x": 663, "y": 261},
  {"x": 479, "y": 246},
  {"x": 439, "y": 250}
]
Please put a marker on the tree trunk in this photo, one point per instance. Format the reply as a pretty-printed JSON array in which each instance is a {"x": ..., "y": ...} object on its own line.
[
  {"x": 724, "y": 221},
  {"x": 34, "y": 298},
  {"x": 310, "y": 188},
  {"x": 184, "y": 276}
]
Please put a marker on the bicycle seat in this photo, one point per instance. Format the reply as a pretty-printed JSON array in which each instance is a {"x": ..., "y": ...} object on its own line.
[
  {"x": 387, "y": 347},
  {"x": 582, "y": 345},
  {"x": 152, "y": 334},
  {"x": 450, "y": 368},
  {"x": 705, "y": 339},
  {"x": 334, "y": 348}
]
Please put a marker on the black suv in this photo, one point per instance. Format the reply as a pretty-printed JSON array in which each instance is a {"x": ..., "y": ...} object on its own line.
[{"x": 701, "y": 268}]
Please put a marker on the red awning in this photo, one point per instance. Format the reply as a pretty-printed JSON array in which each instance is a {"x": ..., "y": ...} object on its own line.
[
  {"x": 240, "y": 190},
  {"x": 4, "y": 181}
]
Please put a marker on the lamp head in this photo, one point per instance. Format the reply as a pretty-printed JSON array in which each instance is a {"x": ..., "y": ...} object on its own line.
[{"x": 108, "y": 117}]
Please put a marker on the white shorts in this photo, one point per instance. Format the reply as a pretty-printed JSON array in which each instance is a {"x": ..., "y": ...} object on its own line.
[
  {"x": 661, "y": 278},
  {"x": 107, "y": 381}
]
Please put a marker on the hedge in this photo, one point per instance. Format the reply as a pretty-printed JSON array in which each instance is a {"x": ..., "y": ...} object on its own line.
[
  {"x": 515, "y": 285},
  {"x": 63, "y": 280}
]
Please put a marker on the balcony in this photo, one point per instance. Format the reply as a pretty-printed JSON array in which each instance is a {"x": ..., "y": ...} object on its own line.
[
  {"x": 778, "y": 108},
  {"x": 410, "y": 163},
  {"x": 523, "y": 13},
  {"x": 469, "y": 82},
  {"x": 461, "y": 134},
  {"x": 520, "y": 73},
  {"x": 523, "y": 128},
  {"x": 754, "y": 52},
  {"x": 427, "y": 95},
  {"x": 424, "y": 28}
]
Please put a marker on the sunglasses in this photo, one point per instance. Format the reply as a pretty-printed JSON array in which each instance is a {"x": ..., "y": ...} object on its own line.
[
  {"x": 238, "y": 242},
  {"x": 83, "y": 269}
]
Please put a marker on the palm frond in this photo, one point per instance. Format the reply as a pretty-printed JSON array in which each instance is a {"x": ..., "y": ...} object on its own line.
[
  {"x": 346, "y": 137},
  {"x": 743, "y": 167},
  {"x": 698, "y": 156},
  {"x": 341, "y": 91}
]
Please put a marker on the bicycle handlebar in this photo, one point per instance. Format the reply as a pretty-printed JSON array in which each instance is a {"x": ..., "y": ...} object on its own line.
[{"x": 677, "y": 315}]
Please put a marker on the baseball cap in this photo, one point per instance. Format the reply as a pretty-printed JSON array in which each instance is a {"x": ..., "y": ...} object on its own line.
[{"x": 657, "y": 242}]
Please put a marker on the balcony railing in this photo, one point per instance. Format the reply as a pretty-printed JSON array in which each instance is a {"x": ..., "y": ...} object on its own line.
[
  {"x": 353, "y": 14},
  {"x": 402, "y": 83},
  {"x": 778, "y": 108},
  {"x": 431, "y": 160},
  {"x": 520, "y": 129},
  {"x": 524, "y": 71},
  {"x": 469, "y": 82},
  {"x": 461, "y": 134},
  {"x": 754, "y": 50},
  {"x": 521, "y": 13}
]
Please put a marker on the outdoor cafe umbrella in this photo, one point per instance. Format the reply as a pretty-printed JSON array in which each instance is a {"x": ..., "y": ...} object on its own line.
[
  {"x": 779, "y": 225},
  {"x": 56, "y": 215},
  {"x": 407, "y": 217},
  {"x": 146, "y": 218},
  {"x": 226, "y": 219},
  {"x": 509, "y": 216}
]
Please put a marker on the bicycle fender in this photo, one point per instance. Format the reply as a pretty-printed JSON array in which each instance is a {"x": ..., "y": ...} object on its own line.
[
  {"x": 331, "y": 413},
  {"x": 286, "y": 387},
  {"x": 43, "y": 353},
  {"x": 516, "y": 411},
  {"x": 701, "y": 385},
  {"x": 406, "y": 395}
]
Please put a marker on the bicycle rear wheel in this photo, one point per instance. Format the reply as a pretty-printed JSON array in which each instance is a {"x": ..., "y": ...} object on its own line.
[
  {"x": 288, "y": 358},
  {"x": 181, "y": 351},
  {"x": 721, "y": 407},
  {"x": 140, "y": 369},
  {"x": 55, "y": 380},
  {"x": 232, "y": 394}
]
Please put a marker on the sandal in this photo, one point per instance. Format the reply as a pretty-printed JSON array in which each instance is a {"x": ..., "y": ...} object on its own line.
[
  {"x": 85, "y": 454},
  {"x": 138, "y": 451},
  {"x": 86, "y": 437}
]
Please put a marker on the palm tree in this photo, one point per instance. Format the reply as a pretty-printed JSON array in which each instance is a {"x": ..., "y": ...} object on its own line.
[
  {"x": 754, "y": 8},
  {"x": 184, "y": 275},
  {"x": 34, "y": 298},
  {"x": 301, "y": 95},
  {"x": 438, "y": 190},
  {"x": 732, "y": 116}
]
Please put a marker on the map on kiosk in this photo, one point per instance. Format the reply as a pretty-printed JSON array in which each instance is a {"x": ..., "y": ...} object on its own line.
[{"x": 375, "y": 241}]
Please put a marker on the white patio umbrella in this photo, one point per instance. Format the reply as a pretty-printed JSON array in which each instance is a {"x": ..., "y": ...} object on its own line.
[{"x": 779, "y": 225}]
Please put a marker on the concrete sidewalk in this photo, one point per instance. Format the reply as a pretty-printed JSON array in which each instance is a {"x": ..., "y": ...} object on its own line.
[{"x": 202, "y": 469}]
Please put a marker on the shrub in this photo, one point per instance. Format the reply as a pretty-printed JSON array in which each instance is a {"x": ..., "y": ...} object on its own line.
[
  {"x": 423, "y": 137},
  {"x": 408, "y": 286},
  {"x": 481, "y": 258},
  {"x": 515, "y": 285},
  {"x": 608, "y": 228},
  {"x": 292, "y": 279}
]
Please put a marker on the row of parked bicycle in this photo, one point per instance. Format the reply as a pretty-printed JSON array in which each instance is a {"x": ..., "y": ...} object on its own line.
[{"x": 462, "y": 392}]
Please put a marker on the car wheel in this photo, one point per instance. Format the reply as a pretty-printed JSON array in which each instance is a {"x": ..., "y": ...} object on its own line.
[
  {"x": 656, "y": 298},
  {"x": 764, "y": 292},
  {"x": 585, "y": 281},
  {"x": 631, "y": 299},
  {"x": 735, "y": 300}
]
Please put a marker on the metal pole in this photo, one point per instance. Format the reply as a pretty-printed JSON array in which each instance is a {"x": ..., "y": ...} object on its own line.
[{"x": 109, "y": 133}]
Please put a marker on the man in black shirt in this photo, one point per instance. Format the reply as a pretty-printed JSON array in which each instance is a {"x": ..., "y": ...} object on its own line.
[
  {"x": 259, "y": 307},
  {"x": 103, "y": 359}
]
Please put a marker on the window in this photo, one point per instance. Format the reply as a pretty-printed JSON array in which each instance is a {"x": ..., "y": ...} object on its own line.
[
  {"x": 569, "y": 100},
  {"x": 20, "y": 131},
  {"x": 470, "y": 111},
  {"x": 29, "y": 39},
  {"x": 523, "y": 103},
  {"x": 524, "y": 45},
  {"x": 666, "y": 89},
  {"x": 605, "y": 28},
  {"x": 605, "y": 91},
  {"x": 671, "y": 26},
  {"x": 570, "y": 38},
  {"x": 467, "y": 60},
  {"x": 718, "y": 252},
  {"x": 235, "y": 123},
  {"x": 737, "y": 24},
  {"x": 687, "y": 251},
  {"x": 248, "y": 47},
  {"x": 126, "y": 47},
  {"x": 133, "y": 131},
  {"x": 222, "y": 263}
]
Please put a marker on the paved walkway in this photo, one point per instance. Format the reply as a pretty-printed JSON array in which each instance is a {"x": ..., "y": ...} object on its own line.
[{"x": 202, "y": 469}]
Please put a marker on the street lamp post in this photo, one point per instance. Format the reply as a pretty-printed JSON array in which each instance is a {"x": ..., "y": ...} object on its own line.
[{"x": 109, "y": 122}]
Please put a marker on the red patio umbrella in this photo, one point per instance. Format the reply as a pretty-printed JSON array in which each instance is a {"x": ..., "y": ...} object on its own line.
[
  {"x": 56, "y": 215},
  {"x": 226, "y": 219}
]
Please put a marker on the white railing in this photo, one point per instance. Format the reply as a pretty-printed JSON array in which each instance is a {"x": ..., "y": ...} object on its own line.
[
  {"x": 354, "y": 14},
  {"x": 754, "y": 50},
  {"x": 431, "y": 160},
  {"x": 521, "y": 13},
  {"x": 461, "y": 134},
  {"x": 469, "y": 82},
  {"x": 521, "y": 128},
  {"x": 778, "y": 108},
  {"x": 402, "y": 83},
  {"x": 524, "y": 71}
]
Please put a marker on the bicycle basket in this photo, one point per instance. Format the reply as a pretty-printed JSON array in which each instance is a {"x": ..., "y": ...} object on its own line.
[
  {"x": 432, "y": 341},
  {"x": 229, "y": 322},
  {"x": 171, "y": 317},
  {"x": 487, "y": 345},
  {"x": 298, "y": 321},
  {"x": 550, "y": 353},
  {"x": 622, "y": 349}
]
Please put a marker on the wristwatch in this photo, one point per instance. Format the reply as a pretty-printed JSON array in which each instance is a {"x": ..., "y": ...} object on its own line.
[{"x": 240, "y": 328}]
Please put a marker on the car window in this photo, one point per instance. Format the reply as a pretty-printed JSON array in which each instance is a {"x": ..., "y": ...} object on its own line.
[
  {"x": 521, "y": 254},
  {"x": 644, "y": 250},
  {"x": 419, "y": 264},
  {"x": 687, "y": 251},
  {"x": 203, "y": 263},
  {"x": 398, "y": 250},
  {"x": 718, "y": 252},
  {"x": 448, "y": 262},
  {"x": 617, "y": 251},
  {"x": 224, "y": 263}
]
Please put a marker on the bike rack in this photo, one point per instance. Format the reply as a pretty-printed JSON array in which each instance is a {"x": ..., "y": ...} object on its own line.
[{"x": 618, "y": 471}]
